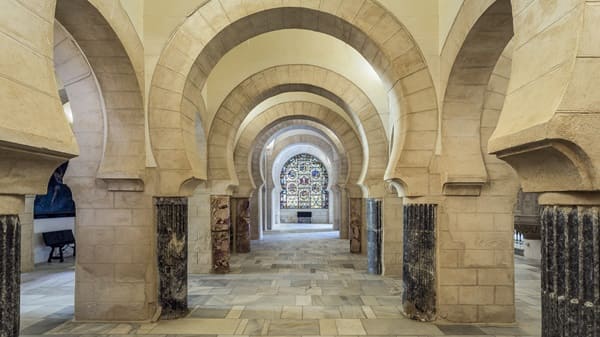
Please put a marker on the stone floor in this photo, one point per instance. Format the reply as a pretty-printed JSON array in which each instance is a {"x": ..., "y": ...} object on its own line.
[{"x": 293, "y": 283}]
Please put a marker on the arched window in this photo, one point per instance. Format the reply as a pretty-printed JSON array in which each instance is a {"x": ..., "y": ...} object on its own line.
[{"x": 304, "y": 182}]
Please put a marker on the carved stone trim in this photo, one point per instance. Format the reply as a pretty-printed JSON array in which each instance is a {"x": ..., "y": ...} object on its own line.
[
  {"x": 124, "y": 184},
  {"x": 463, "y": 186}
]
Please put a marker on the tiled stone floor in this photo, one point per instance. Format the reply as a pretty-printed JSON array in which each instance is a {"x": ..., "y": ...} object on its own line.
[{"x": 292, "y": 284}]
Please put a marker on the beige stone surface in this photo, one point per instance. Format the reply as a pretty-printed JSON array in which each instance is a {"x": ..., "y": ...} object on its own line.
[{"x": 443, "y": 89}]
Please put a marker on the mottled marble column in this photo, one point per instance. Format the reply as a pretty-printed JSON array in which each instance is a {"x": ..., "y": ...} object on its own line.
[
  {"x": 374, "y": 235},
  {"x": 220, "y": 226},
  {"x": 570, "y": 271},
  {"x": 255, "y": 219},
  {"x": 10, "y": 275},
  {"x": 242, "y": 226},
  {"x": 419, "y": 295},
  {"x": 355, "y": 224},
  {"x": 172, "y": 226}
]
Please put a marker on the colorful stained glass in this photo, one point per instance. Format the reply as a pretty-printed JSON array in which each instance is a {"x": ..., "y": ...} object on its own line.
[{"x": 304, "y": 182}]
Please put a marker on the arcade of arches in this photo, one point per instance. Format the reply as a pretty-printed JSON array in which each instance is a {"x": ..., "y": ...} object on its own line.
[{"x": 303, "y": 167}]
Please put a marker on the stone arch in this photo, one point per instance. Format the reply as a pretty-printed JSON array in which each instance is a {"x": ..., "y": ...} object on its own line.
[
  {"x": 121, "y": 24},
  {"x": 267, "y": 83},
  {"x": 89, "y": 116},
  {"x": 336, "y": 180},
  {"x": 463, "y": 165},
  {"x": 281, "y": 156},
  {"x": 256, "y": 135},
  {"x": 123, "y": 160},
  {"x": 478, "y": 190},
  {"x": 255, "y": 152},
  {"x": 218, "y": 26},
  {"x": 547, "y": 127},
  {"x": 323, "y": 144},
  {"x": 108, "y": 177}
]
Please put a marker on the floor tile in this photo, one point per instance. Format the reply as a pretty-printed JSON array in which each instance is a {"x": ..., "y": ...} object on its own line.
[
  {"x": 461, "y": 330},
  {"x": 316, "y": 288},
  {"x": 197, "y": 326},
  {"x": 294, "y": 327}
]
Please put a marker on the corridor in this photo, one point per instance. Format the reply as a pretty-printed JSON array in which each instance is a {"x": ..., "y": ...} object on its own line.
[{"x": 293, "y": 283}]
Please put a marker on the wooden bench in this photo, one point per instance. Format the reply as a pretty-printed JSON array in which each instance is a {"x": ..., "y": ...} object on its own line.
[{"x": 59, "y": 240}]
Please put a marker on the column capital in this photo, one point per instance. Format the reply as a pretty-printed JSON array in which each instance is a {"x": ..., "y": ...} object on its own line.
[
  {"x": 570, "y": 198},
  {"x": 11, "y": 203}
]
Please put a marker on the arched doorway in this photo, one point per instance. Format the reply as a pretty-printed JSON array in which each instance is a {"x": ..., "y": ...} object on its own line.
[{"x": 303, "y": 192}]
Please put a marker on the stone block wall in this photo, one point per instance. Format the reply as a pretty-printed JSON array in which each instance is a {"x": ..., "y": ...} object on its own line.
[
  {"x": 199, "y": 241},
  {"x": 392, "y": 235},
  {"x": 26, "y": 221},
  {"x": 115, "y": 276},
  {"x": 476, "y": 266}
]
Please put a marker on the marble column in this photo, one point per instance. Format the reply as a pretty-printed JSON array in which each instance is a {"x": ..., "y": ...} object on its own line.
[
  {"x": 172, "y": 252},
  {"x": 570, "y": 271},
  {"x": 344, "y": 214},
  {"x": 255, "y": 217},
  {"x": 242, "y": 233},
  {"x": 419, "y": 295},
  {"x": 374, "y": 235},
  {"x": 10, "y": 275},
  {"x": 220, "y": 227},
  {"x": 355, "y": 224}
]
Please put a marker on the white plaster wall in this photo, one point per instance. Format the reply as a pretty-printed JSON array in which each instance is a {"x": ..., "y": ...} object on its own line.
[
  {"x": 533, "y": 249},
  {"x": 40, "y": 251},
  {"x": 289, "y": 215}
]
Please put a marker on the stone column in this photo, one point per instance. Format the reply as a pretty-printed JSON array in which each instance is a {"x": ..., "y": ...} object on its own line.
[
  {"x": 172, "y": 227},
  {"x": 219, "y": 224},
  {"x": 419, "y": 295},
  {"x": 10, "y": 275},
  {"x": 334, "y": 207},
  {"x": 270, "y": 206},
  {"x": 242, "y": 233},
  {"x": 374, "y": 233},
  {"x": 356, "y": 217},
  {"x": 344, "y": 217},
  {"x": 570, "y": 277},
  {"x": 255, "y": 219}
]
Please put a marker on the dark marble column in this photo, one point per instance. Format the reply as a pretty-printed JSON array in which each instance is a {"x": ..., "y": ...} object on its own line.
[
  {"x": 172, "y": 223},
  {"x": 220, "y": 227},
  {"x": 355, "y": 224},
  {"x": 242, "y": 226},
  {"x": 10, "y": 275},
  {"x": 374, "y": 236},
  {"x": 419, "y": 295},
  {"x": 570, "y": 271}
]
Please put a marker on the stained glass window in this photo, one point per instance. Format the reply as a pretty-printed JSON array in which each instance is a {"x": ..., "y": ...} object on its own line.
[{"x": 304, "y": 182}]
